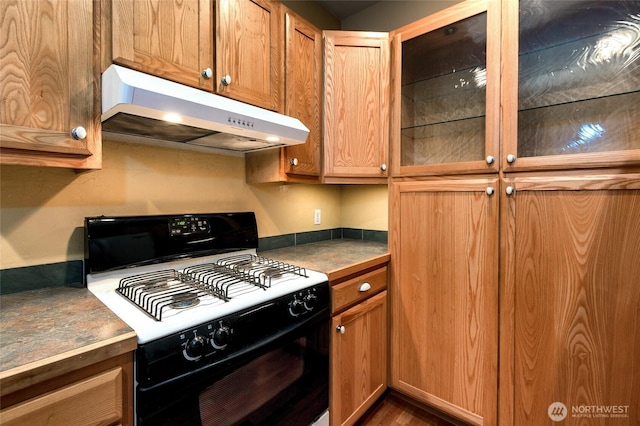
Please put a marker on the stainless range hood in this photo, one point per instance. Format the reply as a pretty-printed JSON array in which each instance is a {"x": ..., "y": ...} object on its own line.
[{"x": 139, "y": 107}]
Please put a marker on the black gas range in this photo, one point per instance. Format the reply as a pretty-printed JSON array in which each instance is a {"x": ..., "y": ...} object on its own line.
[{"x": 207, "y": 308}]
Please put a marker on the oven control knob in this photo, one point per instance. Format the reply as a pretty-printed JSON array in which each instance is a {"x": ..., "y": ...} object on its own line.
[
  {"x": 220, "y": 337},
  {"x": 296, "y": 307},
  {"x": 310, "y": 301},
  {"x": 194, "y": 348}
]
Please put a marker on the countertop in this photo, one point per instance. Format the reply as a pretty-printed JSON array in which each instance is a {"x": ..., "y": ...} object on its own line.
[
  {"x": 48, "y": 332},
  {"x": 336, "y": 258},
  {"x": 52, "y": 331}
]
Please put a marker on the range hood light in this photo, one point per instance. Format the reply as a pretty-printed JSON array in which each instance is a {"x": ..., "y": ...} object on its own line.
[
  {"x": 172, "y": 117},
  {"x": 272, "y": 139}
]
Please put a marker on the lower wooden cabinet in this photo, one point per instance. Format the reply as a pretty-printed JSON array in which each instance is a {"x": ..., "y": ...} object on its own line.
[
  {"x": 570, "y": 301},
  {"x": 100, "y": 394},
  {"x": 444, "y": 295},
  {"x": 358, "y": 347}
]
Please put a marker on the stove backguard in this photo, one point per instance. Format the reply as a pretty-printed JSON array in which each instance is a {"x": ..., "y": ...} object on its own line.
[{"x": 113, "y": 243}]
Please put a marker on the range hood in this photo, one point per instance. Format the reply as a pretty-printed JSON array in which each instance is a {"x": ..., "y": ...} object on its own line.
[{"x": 139, "y": 107}]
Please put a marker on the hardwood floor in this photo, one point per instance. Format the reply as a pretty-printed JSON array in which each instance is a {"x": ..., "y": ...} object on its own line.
[{"x": 392, "y": 410}]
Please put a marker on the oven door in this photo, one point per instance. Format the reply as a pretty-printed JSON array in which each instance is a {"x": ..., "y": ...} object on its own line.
[{"x": 284, "y": 381}]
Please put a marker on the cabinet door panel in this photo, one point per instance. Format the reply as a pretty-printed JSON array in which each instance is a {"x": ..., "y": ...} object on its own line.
[
  {"x": 49, "y": 84},
  {"x": 303, "y": 70},
  {"x": 445, "y": 112},
  {"x": 573, "y": 98},
  {"x": 444, "y": 295},
  {"x": 248, "y": 49},
  {"x": 356, "y": 104},
  {"x": 575, "y": 326},
  {"x": 359, "y": 366},
  {"x": 170, "y": 39}
]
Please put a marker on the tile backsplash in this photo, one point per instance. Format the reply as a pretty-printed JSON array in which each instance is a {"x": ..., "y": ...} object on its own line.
[{"x": 70, "y": 274}]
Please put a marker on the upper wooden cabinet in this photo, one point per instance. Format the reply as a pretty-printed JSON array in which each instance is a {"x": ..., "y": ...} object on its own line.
[
  {"x": 446, "y": 92},
  {"x": 170, "y": 39},
  {"x": 50, "y": 108},
  {"x": 232, "y": 47},
  {"x": 302, "y": 99},
  {"x": 571, "y": 78},
  {"x": 303, "y": 93},
  {"x": 529, "y": 85},
  {"x": 356, "y": 107},
  {"x": 248, "y": 52}
]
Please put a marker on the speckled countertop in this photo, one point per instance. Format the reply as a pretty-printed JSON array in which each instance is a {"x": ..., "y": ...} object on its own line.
[
  {"x": 47, "y": 331},
  {"x": 336, "y": 258},
  {"x": 42, "y": 327}
]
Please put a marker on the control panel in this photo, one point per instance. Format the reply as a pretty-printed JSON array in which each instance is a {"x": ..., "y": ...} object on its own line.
[{"x": 189, "y": 225}]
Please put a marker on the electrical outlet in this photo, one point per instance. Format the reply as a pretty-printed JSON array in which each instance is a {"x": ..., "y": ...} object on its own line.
[{"x": 316, "y": 217}]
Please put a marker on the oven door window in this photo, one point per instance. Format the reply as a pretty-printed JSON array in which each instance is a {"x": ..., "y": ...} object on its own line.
[{"x": 286, "y": 383}]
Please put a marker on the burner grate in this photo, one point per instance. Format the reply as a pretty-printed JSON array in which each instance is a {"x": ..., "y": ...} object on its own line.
[
  {"x": 156, "y": 292},
  {"x": 260, "y": 270},
  {"x": 159, "y": 291}
]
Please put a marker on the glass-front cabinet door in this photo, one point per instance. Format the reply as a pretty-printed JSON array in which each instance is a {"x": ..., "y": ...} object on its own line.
[
  {"x": 577, "y": 102},
  {"x": 445, "y": 102}
]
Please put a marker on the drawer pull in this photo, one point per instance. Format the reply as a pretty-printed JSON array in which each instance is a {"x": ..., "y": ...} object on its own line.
[{"x": 364, "y": 287}]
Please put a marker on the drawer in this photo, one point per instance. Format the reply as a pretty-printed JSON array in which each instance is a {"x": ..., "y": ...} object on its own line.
[
  {"x": 354, "y": 290},
  {"x": 96, "y": 400}
]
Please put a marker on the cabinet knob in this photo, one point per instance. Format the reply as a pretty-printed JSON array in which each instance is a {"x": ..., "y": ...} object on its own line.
[
  {"x": 510, "y": 190},
  {"x": 511, "y": 158},
  {"x": 79, "y": 133},
  {"x": 364, "y": 287},
  {"x": 340, "y": 329},
  {"x": 226, "y": 80},
  {"x": 491, "y": 159},
  {"x": 207, "y": 73},
  {"x": 383, "y": 167},
  {"x": 490, "y": 190},
  {"x": 293, "y": 161}
]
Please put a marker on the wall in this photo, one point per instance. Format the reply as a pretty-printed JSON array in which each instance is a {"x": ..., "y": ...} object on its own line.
[
  {"x": 388, "y": 15},
  {"x": 42, "y": 209}
]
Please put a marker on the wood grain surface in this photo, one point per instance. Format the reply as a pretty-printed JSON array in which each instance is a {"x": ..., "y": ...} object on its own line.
[
  {"x": 577, "y": 299},
  {"x": 444, "y": 296}
]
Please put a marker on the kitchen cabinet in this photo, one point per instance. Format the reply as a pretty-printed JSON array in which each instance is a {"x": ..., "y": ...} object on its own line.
[
  {"x": 443, "y": 239},
  {"x": 248, "y": 52},
  {"x": 50, "y": 111},
  {"x": 358, "y": 374},
  {"x": 571, "y": 79},
  {"x": 356, "y": 107},
  {"x": 570, "y": 323},
  {"x": 446, "y": 86},
  {"x": 178, "y": 40},
  {"x": 561, "y": 139},
  {"x": 302, "y": 77},
  {"x": 169, "y": 39},
  {"x": 98, "y": 394}
]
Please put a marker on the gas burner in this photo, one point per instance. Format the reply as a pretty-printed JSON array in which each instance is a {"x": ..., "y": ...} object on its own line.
[
  {"x": 272, "y": 272},
  {"x": 183, "y": 301}
]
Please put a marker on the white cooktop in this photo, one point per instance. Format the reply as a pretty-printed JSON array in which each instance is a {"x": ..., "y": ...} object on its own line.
[{"x": 103, "y": 286}]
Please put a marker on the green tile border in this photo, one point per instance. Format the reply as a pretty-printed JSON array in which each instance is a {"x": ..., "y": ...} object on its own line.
[
  {"x": 70, "y": 274},
  {"x": 61, "y": 274}
]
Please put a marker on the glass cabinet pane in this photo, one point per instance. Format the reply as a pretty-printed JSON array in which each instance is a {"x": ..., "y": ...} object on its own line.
[
  {"x": 579, "y": 77},
  {"x": 443, "y": 100}
]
